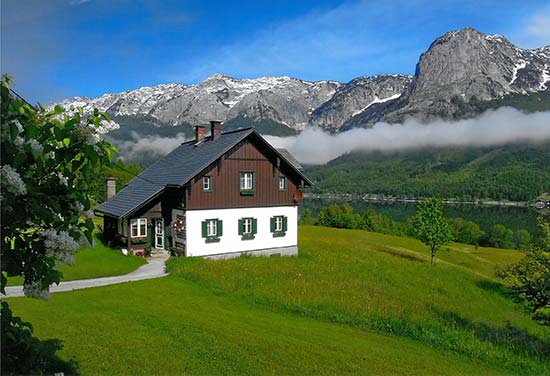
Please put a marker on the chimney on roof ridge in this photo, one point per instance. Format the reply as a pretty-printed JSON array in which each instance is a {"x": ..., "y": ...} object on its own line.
[
  {"x": 111, "y": 187},
  {"x": 199, "y": 133},
  {"x": 215, "y": 128}
]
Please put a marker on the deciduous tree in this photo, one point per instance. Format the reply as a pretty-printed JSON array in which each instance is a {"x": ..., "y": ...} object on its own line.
[{"x": 431, "y": 227}]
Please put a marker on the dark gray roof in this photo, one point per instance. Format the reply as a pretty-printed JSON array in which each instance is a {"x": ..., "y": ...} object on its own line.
[
  {"x": 290, "y": 158},
  {"x": 175, "y": 169}
]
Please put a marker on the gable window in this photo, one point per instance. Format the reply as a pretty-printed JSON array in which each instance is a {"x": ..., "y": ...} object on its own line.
[
  {"x": 282, "y": 183},
  {"x": 279, "y": 225},
  {"x": 246, "y": 182},
  {"x": 138, "y": 227},
  {"x": 207, "y": 183},
  {"x": 212, "y": 230},
  {"x": 248, "y": 227}
]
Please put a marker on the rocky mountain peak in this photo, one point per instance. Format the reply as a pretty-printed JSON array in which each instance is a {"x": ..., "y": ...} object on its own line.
[
  {"x": 466, "y": 63},
  {"x": 457, "y": 67}
]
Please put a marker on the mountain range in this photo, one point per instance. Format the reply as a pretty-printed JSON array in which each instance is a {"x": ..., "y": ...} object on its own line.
[{"x": 460, "y": 74}]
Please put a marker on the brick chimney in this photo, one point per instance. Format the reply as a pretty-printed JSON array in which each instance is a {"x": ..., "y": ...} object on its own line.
[
  {"x": 215, "y": 128},
  {"x": 199, "y": 132},
  {"x": 111, "y": 187}
]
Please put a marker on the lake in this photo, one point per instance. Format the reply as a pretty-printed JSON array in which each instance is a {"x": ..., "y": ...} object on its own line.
[{"x": 515, "y": 218}]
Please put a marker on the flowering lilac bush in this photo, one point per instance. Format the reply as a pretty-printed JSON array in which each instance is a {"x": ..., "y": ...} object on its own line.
[{"x": 47, "y": 163}]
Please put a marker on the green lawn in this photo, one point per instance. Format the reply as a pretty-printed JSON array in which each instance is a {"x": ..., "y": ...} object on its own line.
[
  {"x": 95, "y": 262},
  {"x": 171, "y": 326},
  {"x": 352, "y": 302}
]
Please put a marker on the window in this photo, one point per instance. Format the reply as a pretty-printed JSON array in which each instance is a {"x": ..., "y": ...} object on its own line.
[
  {"x": 279, "y": 225},
  {"x": 247, "y": 182},
  {"x": 248, "y": 228},
  {"x": 282, "y": 183},
  {"x": 212, "y": 230},
  {"x": 138, "y": 227},
  {"x": 207, "y": 183}
]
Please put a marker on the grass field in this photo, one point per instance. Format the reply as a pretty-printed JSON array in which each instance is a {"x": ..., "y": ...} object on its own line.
[
  {"x": 352, "y": 302},
  {"x": 94, "y": 262}
]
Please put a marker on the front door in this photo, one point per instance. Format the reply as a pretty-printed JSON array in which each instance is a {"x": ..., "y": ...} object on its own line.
[{"x": 159, "y": 233}]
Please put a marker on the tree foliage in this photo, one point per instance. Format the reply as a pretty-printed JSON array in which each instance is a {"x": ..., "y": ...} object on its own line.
[
  {"x": 430, "y": 225},
  {"x": 530, "y": 278},
  {"x": 48, "y": 160},
  {"x": 467, "y": 231},
  {"x": 512, "y": 172}
]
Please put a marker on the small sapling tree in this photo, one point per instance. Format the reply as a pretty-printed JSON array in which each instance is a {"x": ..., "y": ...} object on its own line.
[{"x": 431, "y": 227}]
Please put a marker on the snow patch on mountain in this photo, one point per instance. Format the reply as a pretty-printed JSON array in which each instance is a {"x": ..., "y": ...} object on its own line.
[
  {"x": 377, "y": 100},
  {"x": 522, "y": 64}
]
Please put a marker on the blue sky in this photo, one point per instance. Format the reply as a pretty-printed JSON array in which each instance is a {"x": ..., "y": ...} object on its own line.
[{"x": 62, "y": 48}]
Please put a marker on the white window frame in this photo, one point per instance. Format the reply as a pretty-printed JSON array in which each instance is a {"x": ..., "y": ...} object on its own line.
[
  {"x": 137, "y": 222},
  {"x": 207, "y": 183},
  {"x": 247, "y": 181},
  {"x": 247, "y": 226},
  {"x": 278, "y": 223},
  {"x": 282, "y": 183},
  {"x": 212, "y": 227}
]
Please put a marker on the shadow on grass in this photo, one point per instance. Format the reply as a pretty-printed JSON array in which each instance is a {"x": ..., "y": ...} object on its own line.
[
  {"x": 39, "y": 358},
  {"x": 500, "y": 289},
  {"x": 25, "y": 354},
  {"x": 508, "y": 335},
  {"x": 401, "y": 254}
]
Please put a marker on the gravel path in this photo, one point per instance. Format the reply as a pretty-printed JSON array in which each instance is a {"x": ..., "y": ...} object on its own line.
[{"x": 153, "y": 269}]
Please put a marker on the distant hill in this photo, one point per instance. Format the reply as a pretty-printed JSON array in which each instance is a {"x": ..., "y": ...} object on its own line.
[{"x": 512, "y": 172}]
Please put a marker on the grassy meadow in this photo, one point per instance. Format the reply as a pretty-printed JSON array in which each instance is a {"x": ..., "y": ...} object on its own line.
[{"x": 353, "y": 302}]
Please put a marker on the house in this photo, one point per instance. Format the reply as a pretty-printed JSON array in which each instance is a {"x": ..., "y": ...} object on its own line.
[{"x": 216, "y": 196}]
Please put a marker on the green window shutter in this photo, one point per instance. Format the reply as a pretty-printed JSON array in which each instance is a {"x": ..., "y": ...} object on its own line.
[
  {"x": 254, "y": 225},
  {"x": 204, "y": 232},
  {"x": 272, "y": 224},
  {"x": 220, "y": 228},
  {"x": 285, "y": 224},
  {"x": 241, "y": 225}
]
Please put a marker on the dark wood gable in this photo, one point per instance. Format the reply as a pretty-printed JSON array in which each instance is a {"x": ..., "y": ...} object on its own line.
[{"x": 250, "y": 155}]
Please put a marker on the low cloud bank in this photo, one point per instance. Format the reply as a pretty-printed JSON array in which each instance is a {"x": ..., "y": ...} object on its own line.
[
  {"x": 314, "y": 146},
  {"x": 152, "y": 147},
  {"x": 494, "y": 127}
]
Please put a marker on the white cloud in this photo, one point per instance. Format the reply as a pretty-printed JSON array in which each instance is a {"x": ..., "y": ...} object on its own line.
[
  {"x": 539, "y": 28},
  {"x": 152, "y": 146},
  {"x": 314, "y": 146},
  {"x": 494, "y": 127},
  {"x": 535, "y": 30},
  {"x": 322, "y": 44}
]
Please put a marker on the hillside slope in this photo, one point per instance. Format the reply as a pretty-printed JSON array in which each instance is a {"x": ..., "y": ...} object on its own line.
[
  {"x": 352, "y": 302},
  {"x": 512, "y": 172}
]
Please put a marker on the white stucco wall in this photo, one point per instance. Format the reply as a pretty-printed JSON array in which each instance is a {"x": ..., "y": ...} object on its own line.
[{"x": 231, "y": 241}]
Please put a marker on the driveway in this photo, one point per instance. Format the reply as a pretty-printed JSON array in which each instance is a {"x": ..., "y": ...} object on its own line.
[{"x": 153, "y": 269}]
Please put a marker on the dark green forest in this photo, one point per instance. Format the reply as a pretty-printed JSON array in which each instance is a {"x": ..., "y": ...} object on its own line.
[{"x": 511, "y": 172}]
